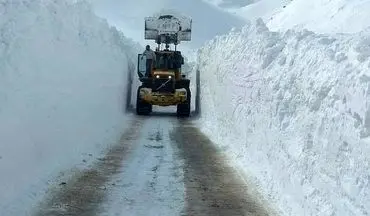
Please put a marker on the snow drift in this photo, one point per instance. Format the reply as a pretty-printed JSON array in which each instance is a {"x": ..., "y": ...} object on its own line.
[
  {"x": 292, "y": 110},
  {"x": 63, "y": 76}
]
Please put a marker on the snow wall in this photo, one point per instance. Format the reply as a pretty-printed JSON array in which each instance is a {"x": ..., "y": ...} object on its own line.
[
  {"x": 291, "y": 110},
  {"x": 63, "y": 77}
]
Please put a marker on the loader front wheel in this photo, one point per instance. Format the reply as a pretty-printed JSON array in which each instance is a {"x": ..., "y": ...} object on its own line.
[
  {"x": 142, "y": 107},
  {"x": 183, "y": 110}
]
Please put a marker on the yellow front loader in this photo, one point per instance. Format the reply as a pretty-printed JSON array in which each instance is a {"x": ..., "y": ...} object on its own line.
[{"x": 164, "y": 85}]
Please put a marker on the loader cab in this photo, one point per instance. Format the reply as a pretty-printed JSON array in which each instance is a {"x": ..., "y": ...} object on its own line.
[{"x": 166, "y": 60}]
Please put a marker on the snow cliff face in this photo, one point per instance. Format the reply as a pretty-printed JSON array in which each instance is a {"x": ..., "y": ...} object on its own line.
[
  {"x": 291, "y": 110},
  {"x": 63, "y": 76}
]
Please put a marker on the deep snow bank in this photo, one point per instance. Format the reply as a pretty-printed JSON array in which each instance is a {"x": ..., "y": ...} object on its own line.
[
  {"x": 63, "y": 73},
  {"x": 293, "y": 111}
]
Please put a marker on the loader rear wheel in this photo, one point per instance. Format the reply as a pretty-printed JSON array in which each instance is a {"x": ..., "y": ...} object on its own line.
[
  {"x": 183, "y": 110},
  {"x": 142, "y": 107}
]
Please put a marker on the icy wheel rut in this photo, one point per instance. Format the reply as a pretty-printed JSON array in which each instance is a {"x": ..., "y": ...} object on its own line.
[
  {"x": 212, "y": 187},
  {"x": 84, "y": 192}
]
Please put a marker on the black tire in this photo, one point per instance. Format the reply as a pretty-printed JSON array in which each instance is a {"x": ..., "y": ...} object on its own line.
[
  {"x": 183, "y": 110},
  {"x": 183, "y": 83},
  {"x": 142, "y": 108},
  {"x": 146, "y": 82}
]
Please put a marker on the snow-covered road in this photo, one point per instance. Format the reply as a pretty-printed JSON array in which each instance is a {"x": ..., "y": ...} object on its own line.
[{"x": 161, "y": 166}]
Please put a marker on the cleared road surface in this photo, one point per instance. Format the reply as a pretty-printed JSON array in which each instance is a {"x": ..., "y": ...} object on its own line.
[{"x": 162, "y": 166}]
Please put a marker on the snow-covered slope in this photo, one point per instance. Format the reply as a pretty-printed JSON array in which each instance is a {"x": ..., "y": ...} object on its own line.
[
  {"x": 264, "y": 9},
  {"x": 63, "y": 76},
  {"x": 325, "y": 16},
  {"x": 292, "y": 111},
  {"x": 250, "y": 9}
]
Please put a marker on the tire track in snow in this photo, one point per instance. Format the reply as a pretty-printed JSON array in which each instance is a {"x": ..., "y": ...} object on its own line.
[
  {"x": 85, "y": 191},
  {"x": 212, "y": 187}
]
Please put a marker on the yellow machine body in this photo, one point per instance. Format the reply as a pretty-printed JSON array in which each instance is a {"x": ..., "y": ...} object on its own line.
[
  {"x": 163, "y": 83},
  {"x": 163, "y": 98}
]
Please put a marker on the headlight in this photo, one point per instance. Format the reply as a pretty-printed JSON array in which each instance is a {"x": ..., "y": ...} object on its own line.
[
  {"x": 157, "y": 76},
  {"x": 169, "y": 77}
]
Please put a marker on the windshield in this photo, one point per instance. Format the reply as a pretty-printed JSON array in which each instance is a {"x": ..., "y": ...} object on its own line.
[{"x": 165, "y": 61}]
